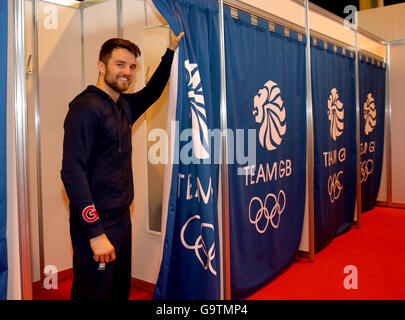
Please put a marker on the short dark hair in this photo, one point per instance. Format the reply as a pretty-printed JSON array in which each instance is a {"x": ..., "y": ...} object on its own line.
[{"x": 111, "y": 44}]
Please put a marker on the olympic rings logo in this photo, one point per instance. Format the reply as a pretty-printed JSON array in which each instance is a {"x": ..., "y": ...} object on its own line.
[
  {"x": 273, "y": 216},
  {"x": 334, "y": 186},
  {"x": 366, "y": 168},
  {"x": 200, "y": 244}
]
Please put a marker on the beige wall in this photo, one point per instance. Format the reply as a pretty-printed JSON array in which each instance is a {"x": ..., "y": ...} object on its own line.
[{"x": 59, "y": 82}]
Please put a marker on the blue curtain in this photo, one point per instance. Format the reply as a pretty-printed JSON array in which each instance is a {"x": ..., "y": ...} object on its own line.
[
  {"x": 372, "y": 114},
  {"x": 334, "y": 112},
  {"x": 3, "y": 167},
  {"x": 265, "y": 74},
  {"x": 190, "y": 266}
]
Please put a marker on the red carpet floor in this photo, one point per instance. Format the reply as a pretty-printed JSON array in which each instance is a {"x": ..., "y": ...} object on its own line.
[
  {"x": 377, "y": 250},
  {"x": 65, "y": 285}
]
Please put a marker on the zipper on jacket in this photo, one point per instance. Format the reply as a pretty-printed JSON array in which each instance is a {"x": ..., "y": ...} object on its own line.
[{"x": 117, "y": 111}]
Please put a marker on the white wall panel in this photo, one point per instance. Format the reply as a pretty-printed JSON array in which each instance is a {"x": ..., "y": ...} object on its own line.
[
  {"x": 133, "y": 23},
  {"x": 385, "y": 22},
  {"x": 60, "y": 82},
  {"x": 382, "y": 192},
  {"x": 153, "y": 16},
  {"x": 100, "y": 24},
  {"x": 397, "y": 123}
]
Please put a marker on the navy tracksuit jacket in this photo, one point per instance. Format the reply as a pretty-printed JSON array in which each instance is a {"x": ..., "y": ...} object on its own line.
[{"x": 96, "y": 166}]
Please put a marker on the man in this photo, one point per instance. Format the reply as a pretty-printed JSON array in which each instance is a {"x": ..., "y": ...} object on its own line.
[{"x": 97, "y": 171}]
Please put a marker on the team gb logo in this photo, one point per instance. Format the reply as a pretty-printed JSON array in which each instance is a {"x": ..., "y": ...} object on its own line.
[
  {"x": 198, "y": 112},
  {"x": 335, "y": 114},
  {"x": 269, "y": 112},
  {"x": 370, "y": 114}
]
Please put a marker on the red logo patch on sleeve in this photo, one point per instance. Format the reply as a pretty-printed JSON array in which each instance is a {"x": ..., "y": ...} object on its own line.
[{"x": 90, "y": 214}]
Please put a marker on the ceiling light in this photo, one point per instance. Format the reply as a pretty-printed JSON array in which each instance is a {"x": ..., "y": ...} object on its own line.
[{"x": 75, "y": 3}]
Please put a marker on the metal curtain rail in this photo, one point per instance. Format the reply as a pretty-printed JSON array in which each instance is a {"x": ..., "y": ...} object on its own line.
[
  {"x": 83, "y": 72},
  {"x": 387, "y": 130},
  {"x": 120, "y": 30},
  {"x": 38, "y": 140},
  {"x": 397, "y": 42},
  {"x": 20, "y": 109},
  {"x": 310, "y": 143},
  {"x": 238, "y": 5},
  {"x": 226, "y": 281},
  {"x": 358, "y": 138},
  {"x": 388, "y": 126}
]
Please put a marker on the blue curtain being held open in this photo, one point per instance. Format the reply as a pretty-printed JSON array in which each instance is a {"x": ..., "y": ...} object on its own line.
[
  {"x": 265, "y": 74},
  {"x": 3, "y": 144},
  {"x": 190, "y": 267},
  {"x": 372, "y": 115},
  {"x": 334, "y": 111}
]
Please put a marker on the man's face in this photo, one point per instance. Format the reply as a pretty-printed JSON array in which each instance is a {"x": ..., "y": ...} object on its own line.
[{"x": 120, "y": 70}]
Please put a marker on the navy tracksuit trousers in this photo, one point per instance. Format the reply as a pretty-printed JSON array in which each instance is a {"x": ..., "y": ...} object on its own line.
[{"x": 97, "y": 281}]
